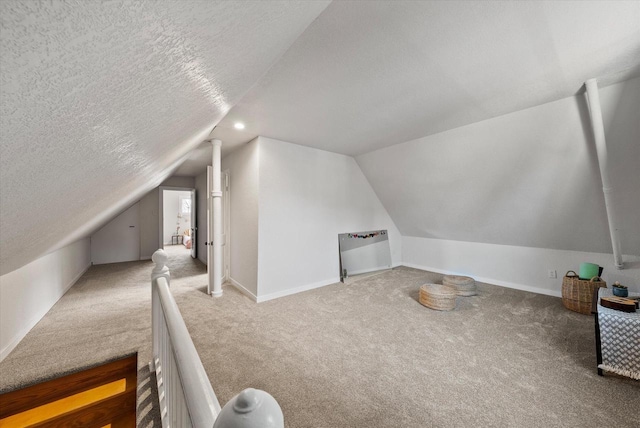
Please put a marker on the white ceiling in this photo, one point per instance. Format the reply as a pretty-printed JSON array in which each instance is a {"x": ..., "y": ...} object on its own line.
[
  {"x": 102, "y": 100},
  {"x": 201, "y": 156},
  {"x": 367, "y": 75}
]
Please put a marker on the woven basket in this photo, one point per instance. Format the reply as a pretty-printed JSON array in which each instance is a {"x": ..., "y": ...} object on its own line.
[
  {"x": 464, "y": 285},
  {"x": 438, "y": 297},
  {"x": 577, "y": 294}
]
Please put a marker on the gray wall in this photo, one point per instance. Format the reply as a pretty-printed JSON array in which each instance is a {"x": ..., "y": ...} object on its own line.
[{"x": 149, "y": 217}]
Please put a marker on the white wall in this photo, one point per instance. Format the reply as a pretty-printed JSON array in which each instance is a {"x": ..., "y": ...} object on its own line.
[
  {"x": 118, "y": 240},
  {"x": 171, "y": 208},
  {"x": 524, "y": 268},
  {"x": 529, "y": 178},
  {"x": 28, "y": 293},
  {"x": 243, "y": 168},
  {"x": 307, "y": 197}
]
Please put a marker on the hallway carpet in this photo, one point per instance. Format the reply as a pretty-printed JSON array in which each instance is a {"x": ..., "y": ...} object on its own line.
[{"x": 360, "y": 355}]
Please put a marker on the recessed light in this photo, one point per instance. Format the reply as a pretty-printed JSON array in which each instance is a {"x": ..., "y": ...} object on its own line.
[{"x": 238, "y": 125}]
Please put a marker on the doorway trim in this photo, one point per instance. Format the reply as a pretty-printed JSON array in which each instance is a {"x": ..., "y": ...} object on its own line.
[
  {"x": 161, "y": 190},
  {"x": 226, "y": 224}
]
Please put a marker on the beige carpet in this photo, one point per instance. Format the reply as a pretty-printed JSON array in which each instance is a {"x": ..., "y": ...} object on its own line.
[{"x": 359, "y": 355}]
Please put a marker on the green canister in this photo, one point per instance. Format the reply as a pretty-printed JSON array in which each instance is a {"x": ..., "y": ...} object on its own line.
[{"x": 588, "y": 270}]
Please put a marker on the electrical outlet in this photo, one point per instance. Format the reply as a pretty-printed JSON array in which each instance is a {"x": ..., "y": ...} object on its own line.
[{"x": 552, "y": 274}]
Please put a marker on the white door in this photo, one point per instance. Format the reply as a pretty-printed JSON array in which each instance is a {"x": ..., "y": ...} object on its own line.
[
  {"x": 194, "y": 228},
  {"x": 224, "y": 180},
  {"x": 118, "y": 240},
  {"x": 209, "y": 230}
]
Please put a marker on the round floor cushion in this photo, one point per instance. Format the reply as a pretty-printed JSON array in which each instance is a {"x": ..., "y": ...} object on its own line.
[
  {"x": 464, "y": 285},
  {"x": 438, "y": 297}
]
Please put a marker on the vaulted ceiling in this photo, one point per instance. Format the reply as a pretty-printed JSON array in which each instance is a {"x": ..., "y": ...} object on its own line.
[
  {"x": 367, "y": 75},
  {"x": 102, "y": 100}
]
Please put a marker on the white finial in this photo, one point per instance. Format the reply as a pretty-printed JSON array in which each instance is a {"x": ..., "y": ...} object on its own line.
[
  {"x": 160, "y": 258},
  {"x": 252, "y": 408}
]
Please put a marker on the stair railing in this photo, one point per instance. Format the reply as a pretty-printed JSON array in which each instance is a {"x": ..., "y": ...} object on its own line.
[{"x": 186, "y": 397}]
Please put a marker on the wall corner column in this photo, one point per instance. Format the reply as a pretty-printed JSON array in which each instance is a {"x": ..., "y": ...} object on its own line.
[
  {"x": 215, "y": 274},
  {"x": 603, "y": 161}
]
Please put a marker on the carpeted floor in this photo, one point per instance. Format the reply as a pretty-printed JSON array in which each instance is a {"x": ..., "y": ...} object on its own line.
[{"x": 360, "y": 355}]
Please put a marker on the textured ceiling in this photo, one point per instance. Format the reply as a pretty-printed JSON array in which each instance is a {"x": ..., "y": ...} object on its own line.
[
  {"x": 201, "y": 156},
  {"x": 102, "y": 100},
  {"x": 367, "y": 75}
]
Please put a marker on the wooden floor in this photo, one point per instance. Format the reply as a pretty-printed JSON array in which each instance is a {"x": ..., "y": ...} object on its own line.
[{"x": 100, "y": 396}]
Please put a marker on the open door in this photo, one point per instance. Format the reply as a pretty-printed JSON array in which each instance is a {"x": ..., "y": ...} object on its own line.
[
  {"x": 194, "y": 228},
  {"x": 224, "y": 179},
  {"x": 209, "y": 230}
]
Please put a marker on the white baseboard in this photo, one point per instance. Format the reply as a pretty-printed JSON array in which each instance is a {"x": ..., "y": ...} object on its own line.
[
  {"x": 523, "y": 287},
  {"x": 33, "y": 321},
  {"x": 17, "y": 338},
  {"x": 145, "y": 258},
  {"x": 75, "y": 279},
  {"x": 296, "y": 290},
  {"x": 243, "y": 289}
]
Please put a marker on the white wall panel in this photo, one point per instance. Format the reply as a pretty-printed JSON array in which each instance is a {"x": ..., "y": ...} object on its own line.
[
  {"x": 28, "y": 293},
  {"x": 243, "y": 182}
]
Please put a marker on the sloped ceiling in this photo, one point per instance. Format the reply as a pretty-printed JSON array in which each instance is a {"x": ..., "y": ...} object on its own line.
[
  {"x": 528, "y": 178},
  {"x": 367, "y": 75},
  {"x": 102, "y": 100}
]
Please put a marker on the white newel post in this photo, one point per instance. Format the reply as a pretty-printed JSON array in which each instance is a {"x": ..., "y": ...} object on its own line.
[
  {"x": 160, "y": 270},
  {"x": 216, "y": 195},
  {"x": 252, "y": 408},
  {"x": 185, "y": 396}
]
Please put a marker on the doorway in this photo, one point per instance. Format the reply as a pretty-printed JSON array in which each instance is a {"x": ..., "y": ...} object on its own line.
[{"x": 177, "y": 211}]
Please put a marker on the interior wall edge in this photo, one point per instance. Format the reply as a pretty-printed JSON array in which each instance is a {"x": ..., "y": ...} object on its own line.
[
  {"x": 290, "y": 291},
  {"x": 244, "y": 290},
  {"x": 307, "y": 197}
]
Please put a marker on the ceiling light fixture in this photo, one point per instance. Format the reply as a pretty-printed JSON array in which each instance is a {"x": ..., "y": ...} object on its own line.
[{"x": 238, "y": 125}]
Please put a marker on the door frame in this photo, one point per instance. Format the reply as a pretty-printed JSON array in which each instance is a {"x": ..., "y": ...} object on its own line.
[
  {"x": 226, "y": 224},
  {"x": 161, "y": 190}
]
